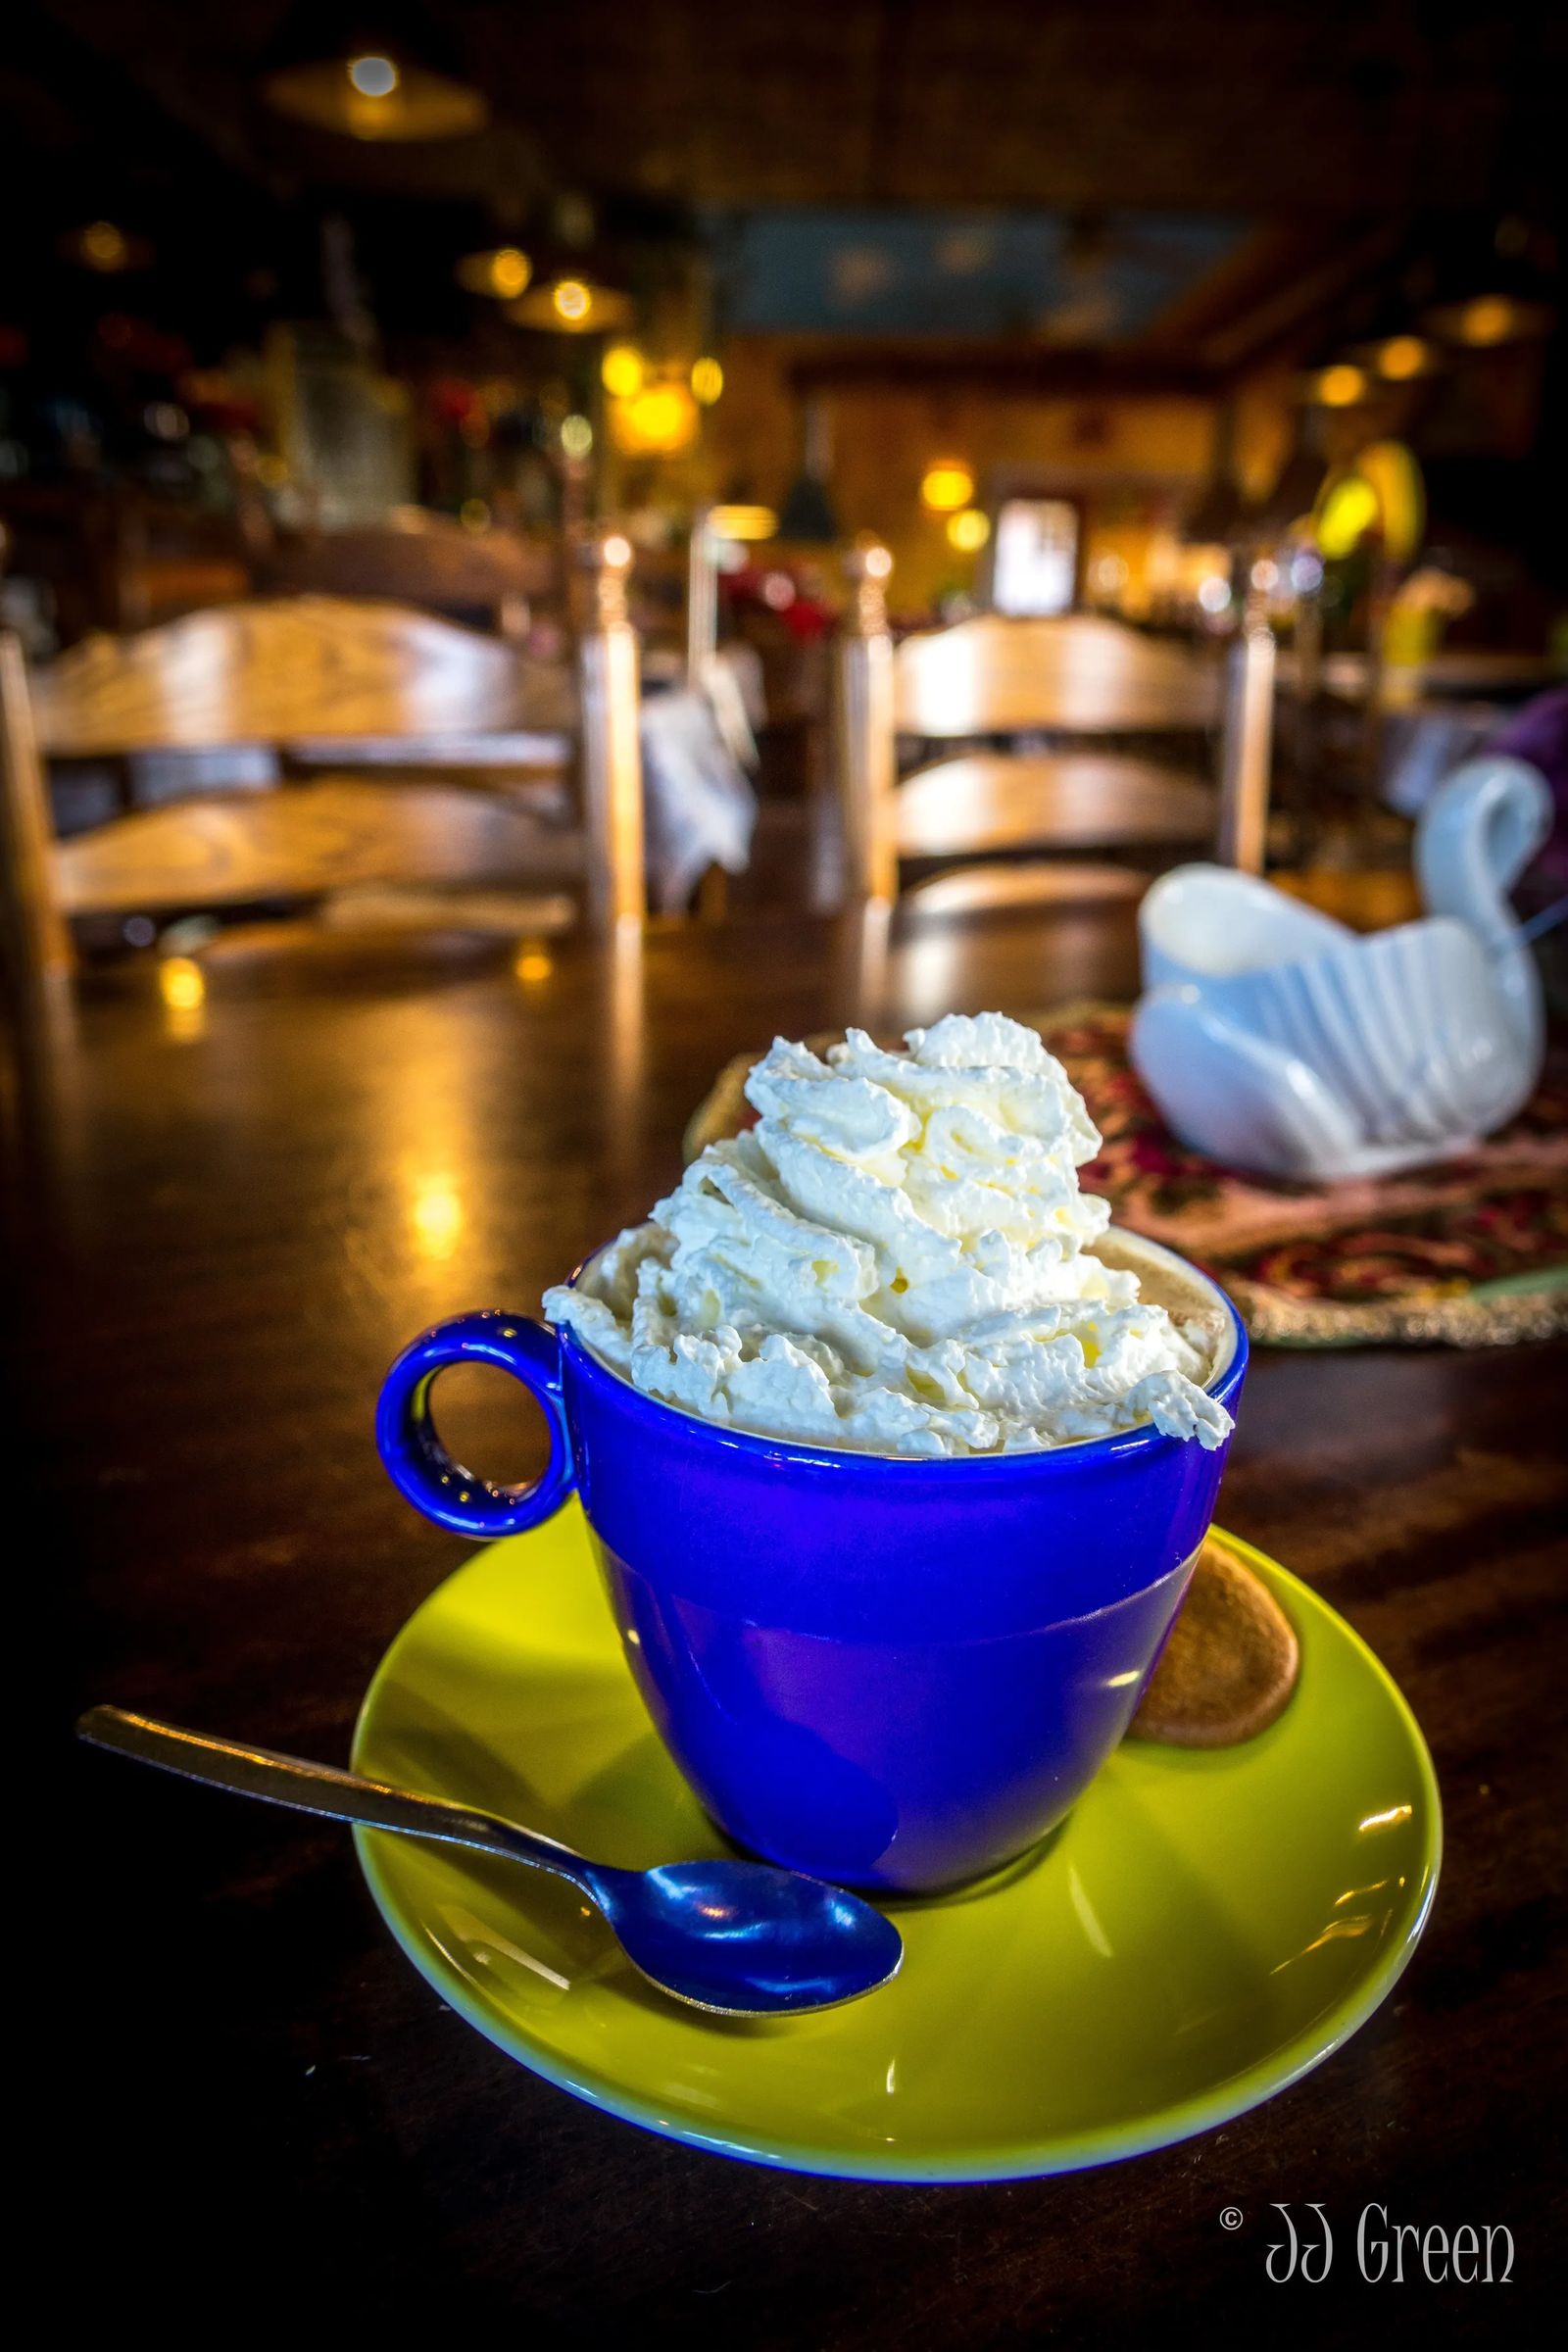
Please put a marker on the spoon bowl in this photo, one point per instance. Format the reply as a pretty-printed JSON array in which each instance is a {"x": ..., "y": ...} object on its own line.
[
  {"x": 745, "y": 1939},
  {"x": 739, "y": 1938}
]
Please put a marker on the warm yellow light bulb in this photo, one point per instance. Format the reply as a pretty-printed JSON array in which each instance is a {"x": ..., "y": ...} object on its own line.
[
  {"x": 509, "y": 271},
  {"x": 1341, "y": 387},
  {"x": 661, "y": 419},
  {"x": 374, "y": 76},
  {"x": 181, "y": 983},
  {"x": 947, "y": 486},
  {"x": 1401, "y": 357},
  {"x": 968, "y": 530},
  {"x": 571, "y": 299},
  {"x": 104, "y": 246},
  {"x": 1487, "y": 319},
  {"x": 504, "y": 272},
  {"x": 621, "y": 370}
]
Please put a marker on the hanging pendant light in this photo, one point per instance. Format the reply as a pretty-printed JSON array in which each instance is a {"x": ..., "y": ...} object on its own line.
[
  {"x": 1342, "y": 385},
  {"x": 104, "y": 246},
  {"x": 377, "y": 73},
  {"x": 1399, "y": 359},
  {"x": 502, "y": 272},
  {"x": 572, "y": 305},
  {"x": 1487, "y": 320}
]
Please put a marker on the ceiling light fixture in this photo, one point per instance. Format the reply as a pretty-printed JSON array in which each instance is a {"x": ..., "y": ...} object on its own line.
[
  {"x": 1402, "y": 357},
  {"x": 571, "y": 306},
  {"x": 503, "y": 271},
  {"x": 104, "y": 246},
  {"x": 382, "y": 71},
  {"x": 1339, "y": 386},
  {"x": 1488, "y": 320},
  {"x": 374, "y": 76}
]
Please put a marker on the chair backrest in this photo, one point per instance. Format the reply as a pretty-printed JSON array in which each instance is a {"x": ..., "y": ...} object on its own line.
[
  {"x": 996, "y": 676},
  {"x": 1087, "y": 681},
  {"x": 330, "y": 675},
  {"x": 432, "y": 563},
  {"x": 247, "y": 673}
]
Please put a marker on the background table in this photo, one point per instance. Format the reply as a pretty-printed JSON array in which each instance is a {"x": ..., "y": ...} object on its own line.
[{"x": 230, "y": 1216}]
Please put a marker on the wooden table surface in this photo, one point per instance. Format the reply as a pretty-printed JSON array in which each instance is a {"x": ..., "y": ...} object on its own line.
[{"x": 230, "y": 1217}]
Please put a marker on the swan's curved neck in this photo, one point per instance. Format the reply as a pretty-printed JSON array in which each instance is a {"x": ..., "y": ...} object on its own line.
[{"x": 1480, "y": 830}]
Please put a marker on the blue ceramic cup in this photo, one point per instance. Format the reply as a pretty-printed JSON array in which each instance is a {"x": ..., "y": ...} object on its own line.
[{"x": 891, "y": 1672}]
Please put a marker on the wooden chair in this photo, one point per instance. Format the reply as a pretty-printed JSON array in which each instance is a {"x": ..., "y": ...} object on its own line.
[
  {"x": 1114, "y": 698},
  {"x": 430, "y": 562},
  {"x": 421, "y": 769}
]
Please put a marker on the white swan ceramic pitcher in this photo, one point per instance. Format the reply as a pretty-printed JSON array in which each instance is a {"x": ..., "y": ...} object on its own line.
[{"x": 1275, "y": 1039}]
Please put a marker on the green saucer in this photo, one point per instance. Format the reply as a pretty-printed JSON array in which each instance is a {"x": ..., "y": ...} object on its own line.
[{"x": 1201, "y": 1931}]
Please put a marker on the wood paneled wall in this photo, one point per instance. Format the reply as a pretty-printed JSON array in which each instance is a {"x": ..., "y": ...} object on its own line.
[{"x": 883, "y": 438}]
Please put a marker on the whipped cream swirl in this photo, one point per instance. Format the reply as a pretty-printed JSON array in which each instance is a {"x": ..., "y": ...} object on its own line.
[{"x": 898, "y": 1258}]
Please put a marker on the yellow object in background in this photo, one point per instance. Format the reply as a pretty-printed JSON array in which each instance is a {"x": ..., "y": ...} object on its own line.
[
  {"x": 743, "y": 523},
  {"x": 1487, "y": 320},
  {"x": 621, "y": 370},
  {"x": 1347, "y": 511},
  {"x": 1412, "y": 633},
  {"x": 571, "y": 306},
  {"x": 1382, "y": 491},
  {"x": 947, "y": 486},
  {"x": 436, "y": 1215},
  {"x": 1395, "y": 478},
  {"x": 181, "y": 983},
  {"x": 504, "y": 272},
  {"x": 1402, "y": 357},
  {"x": 182, "y": 986},
  {"x": 658, "y": 421},
  {"x": 1341, "y": 387},
  {"x": 968, "y": 530}
]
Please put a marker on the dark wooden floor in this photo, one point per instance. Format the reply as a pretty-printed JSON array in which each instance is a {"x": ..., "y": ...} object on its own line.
[{"x": 228, "y": 1218}]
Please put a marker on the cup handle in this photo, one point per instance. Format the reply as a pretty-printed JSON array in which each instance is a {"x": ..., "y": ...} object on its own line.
[{"x": 420, "y": 1465}]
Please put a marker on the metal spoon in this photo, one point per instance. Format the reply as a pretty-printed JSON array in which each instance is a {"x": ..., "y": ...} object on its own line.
[{"x": 738, "y": 1938}]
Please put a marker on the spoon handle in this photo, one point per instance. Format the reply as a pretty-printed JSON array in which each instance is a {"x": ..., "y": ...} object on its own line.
[{"x": 318, "y": 1789}]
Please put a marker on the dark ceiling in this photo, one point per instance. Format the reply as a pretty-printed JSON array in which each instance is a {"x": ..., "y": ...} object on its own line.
[
  {"x": 1334, "y": 140},
  {"x": 1241, "y": 107}
]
